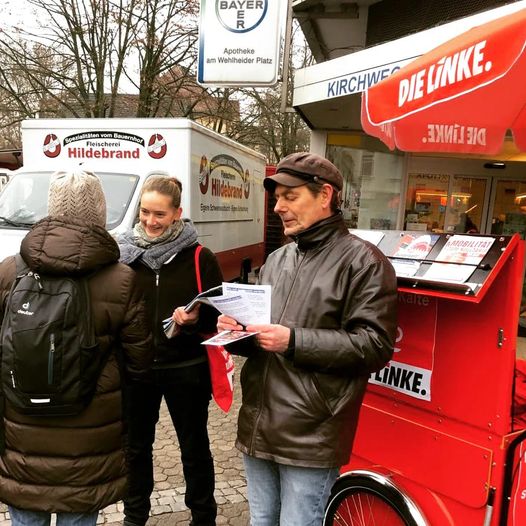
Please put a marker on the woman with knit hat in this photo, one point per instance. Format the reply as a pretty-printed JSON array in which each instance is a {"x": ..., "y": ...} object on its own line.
[
  {"x": 75, "y": 465},
  {"x": 162, "y": 250}
]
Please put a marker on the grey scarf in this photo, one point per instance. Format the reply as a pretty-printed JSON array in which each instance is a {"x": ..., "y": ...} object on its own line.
[
  {"x": 155, "y": 255},
  {"x": 143, "y": 240}
]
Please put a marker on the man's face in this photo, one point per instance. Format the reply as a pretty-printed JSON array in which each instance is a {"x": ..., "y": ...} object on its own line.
[{"x": 298, "y": 208}]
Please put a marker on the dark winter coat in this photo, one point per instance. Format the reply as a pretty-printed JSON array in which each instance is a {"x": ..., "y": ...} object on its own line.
[
  {"x": 76, "y": 464},
  {"x": 338, "y": 294},
  {"x": 172, "y": 285}
]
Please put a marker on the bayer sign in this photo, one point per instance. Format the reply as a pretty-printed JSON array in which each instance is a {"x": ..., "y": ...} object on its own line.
[{"x": 241, "y": 16}]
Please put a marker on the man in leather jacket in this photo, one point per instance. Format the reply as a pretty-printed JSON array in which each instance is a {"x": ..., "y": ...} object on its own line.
[{"x": 334, "y": 301}]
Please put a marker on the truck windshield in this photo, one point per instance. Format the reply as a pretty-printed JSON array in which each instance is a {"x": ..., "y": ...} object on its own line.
[{"x": 23, "y": 201}]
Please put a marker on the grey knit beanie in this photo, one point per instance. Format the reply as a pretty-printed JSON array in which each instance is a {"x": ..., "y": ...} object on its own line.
[{"x": 77, "y": 194}]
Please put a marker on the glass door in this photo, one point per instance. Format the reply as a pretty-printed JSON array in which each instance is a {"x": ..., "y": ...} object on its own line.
[
  {"x": 507, "y": 213},
  {"x": 466, "y": 210}
]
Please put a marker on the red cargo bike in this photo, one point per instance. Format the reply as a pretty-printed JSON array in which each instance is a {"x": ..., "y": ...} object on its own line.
[{"x": 440, "y": 441}]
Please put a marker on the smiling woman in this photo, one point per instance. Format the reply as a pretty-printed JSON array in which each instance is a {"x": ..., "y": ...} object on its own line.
[{"x": 162, "y": 249}]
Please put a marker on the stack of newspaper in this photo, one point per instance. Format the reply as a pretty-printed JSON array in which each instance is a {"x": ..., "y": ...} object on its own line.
[{"x": 247, "y": 304}]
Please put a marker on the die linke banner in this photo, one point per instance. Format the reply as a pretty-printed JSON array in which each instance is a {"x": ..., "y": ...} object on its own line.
[
  {"x": 411, "y": 368},
  {"x": 239, "y": 42},
  {"x": 460, "y": 97}
]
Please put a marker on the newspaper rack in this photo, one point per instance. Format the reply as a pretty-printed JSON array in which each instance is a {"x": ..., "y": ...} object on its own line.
[{"x": 475, "y": 287}]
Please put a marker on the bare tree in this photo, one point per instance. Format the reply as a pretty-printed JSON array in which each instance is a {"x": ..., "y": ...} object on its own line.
[
  {"x": 24, "y": 89},
  {"x": 169, "y": 35},
  {"x": 81, "y": 60}
]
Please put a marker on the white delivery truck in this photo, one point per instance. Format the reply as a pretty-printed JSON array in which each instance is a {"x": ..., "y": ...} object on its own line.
[{"x": 222, "y": 180}]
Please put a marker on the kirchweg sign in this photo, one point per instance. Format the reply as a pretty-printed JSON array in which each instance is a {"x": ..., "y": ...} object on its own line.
[{"x": 239, "y": 42}]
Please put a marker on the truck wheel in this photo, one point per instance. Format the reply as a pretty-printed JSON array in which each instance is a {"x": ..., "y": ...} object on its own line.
[{"x": 360, "y": 500}]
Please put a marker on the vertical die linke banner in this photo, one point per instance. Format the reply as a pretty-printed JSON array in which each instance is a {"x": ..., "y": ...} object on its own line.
[
  {"x": 411, "y": 369},
  {"x": 239, "y": 42}
]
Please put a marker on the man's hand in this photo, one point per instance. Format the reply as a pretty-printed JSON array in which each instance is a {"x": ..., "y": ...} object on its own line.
[
  {"x": 271, "y": 338},
  {"x": 186, "y": 318},
  {"x": 226, "y": 323}
]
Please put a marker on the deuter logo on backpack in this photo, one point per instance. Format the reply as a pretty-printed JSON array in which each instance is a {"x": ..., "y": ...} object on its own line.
[
  {"x": 25, "y": 312},
  {"x": 51, "y": 360}
]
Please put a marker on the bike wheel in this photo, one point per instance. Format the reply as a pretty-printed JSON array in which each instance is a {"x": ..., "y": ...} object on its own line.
[{"x": 363, "y": 501}]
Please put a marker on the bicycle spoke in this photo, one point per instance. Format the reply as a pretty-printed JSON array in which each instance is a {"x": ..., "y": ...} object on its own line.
[{"x": 363, "y": 508}]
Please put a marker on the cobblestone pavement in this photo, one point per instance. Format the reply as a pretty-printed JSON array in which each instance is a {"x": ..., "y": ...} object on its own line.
[{"x": 168, "y": 508}]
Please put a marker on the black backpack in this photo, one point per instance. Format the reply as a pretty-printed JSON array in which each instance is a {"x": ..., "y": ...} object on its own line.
[{"x": 51, "y": 360}]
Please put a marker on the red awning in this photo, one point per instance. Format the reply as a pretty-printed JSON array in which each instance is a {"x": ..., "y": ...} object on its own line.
[{"x": 460, "y": 97}]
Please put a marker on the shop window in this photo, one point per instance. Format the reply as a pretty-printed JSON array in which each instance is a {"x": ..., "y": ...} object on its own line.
[
  {"x": 443, "y": 203},
  {"x": 371, "y": 188},
  {"x": 426, "y": 202}
]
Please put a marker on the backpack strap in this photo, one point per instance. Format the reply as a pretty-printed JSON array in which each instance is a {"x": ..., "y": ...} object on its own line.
[
  {"x": 85, "y": 296},
  {"x": 198, "y": 249},
  {"x": 21, "y": 266},
  {"x": 21, "y": 270}
]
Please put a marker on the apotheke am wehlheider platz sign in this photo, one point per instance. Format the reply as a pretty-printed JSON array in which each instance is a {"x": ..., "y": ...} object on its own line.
[{"x": 239, "y": 42}]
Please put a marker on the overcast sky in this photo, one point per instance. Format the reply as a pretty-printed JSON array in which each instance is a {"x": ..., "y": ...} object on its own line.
[{"x": 16, "y": 12}]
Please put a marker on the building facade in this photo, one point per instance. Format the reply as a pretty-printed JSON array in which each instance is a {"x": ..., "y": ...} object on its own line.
[{"x": 356, "y": 44}]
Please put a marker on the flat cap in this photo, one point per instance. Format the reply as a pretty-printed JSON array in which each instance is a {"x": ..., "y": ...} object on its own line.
[{"x": 301, "y": 168}]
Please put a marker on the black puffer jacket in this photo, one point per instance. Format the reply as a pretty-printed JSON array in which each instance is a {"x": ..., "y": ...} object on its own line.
[
  {"x": 339, "y": 295},
  {"x": 76, "y": 464}
]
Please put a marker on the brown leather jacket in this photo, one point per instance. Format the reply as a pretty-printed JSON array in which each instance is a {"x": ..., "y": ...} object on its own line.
[
  {"x": 76, "y": 464},
  {"x": 339, "y": 295}
]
